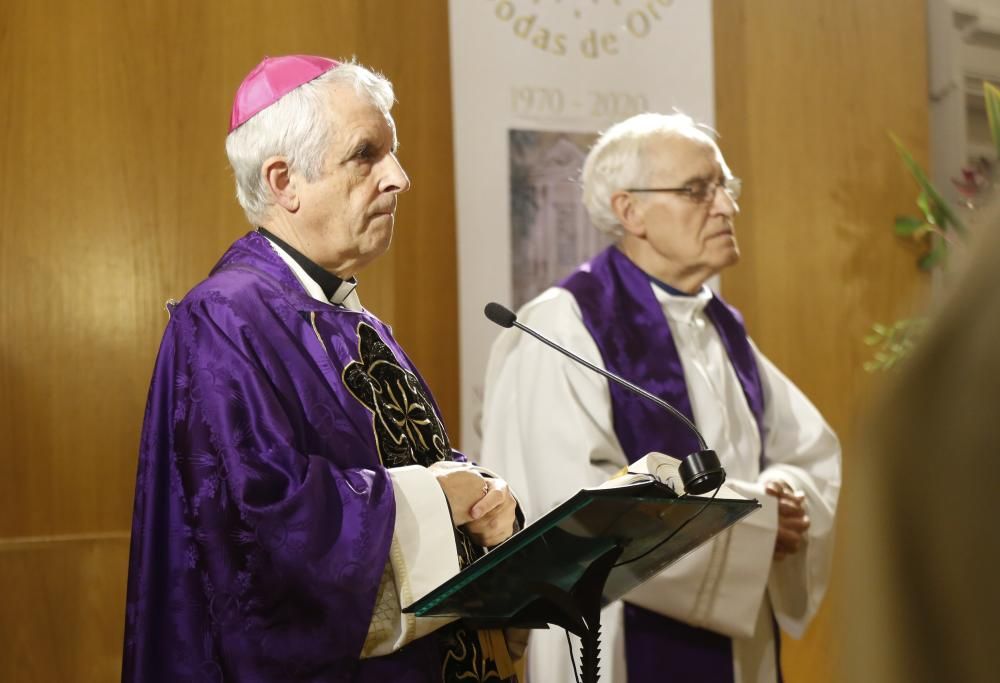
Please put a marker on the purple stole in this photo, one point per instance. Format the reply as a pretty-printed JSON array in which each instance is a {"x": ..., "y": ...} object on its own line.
[{"x": 628, "y": 325}]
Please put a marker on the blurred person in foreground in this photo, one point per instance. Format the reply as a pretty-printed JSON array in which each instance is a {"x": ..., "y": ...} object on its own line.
[
  {"x": 295, "y": 482},
  {"x": 641, "y": 309},
  {"x": 921, "y": 545}
]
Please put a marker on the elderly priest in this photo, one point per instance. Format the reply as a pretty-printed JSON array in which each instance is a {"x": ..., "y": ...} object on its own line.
[
  {"x": 660, "y": 186},
  {"x": 295, "y": 483}
]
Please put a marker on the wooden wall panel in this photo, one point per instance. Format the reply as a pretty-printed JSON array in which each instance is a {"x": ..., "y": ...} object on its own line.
[
  {"x": 806, "y": 93},
  {"x": 116, "y": 196},
  {"x": 63, "y": 609}
]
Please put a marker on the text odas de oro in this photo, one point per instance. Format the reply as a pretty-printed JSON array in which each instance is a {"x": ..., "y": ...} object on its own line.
[{"x": 631, "y": 19}]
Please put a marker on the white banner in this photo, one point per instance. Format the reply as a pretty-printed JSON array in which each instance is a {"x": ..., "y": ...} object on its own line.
[{"x": 533, "y": 81}]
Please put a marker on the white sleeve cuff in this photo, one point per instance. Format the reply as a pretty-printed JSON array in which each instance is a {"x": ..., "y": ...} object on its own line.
[
  {"x": 422, "y": 556},
  {"x": 799, "y": 581}
]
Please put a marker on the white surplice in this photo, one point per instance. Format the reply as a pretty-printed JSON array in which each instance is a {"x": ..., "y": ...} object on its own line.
[{"x": 547, "y": 427}]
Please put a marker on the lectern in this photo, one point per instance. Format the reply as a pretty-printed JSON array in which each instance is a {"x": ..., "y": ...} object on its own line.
[{"x": 585, "y": 553}]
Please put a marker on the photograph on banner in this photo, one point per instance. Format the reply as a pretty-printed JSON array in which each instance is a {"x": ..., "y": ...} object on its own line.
[{"x": 550, "y": 232}]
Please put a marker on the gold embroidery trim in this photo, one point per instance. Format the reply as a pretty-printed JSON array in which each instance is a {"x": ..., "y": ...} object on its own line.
[
  {"x": 494, "y": 647},
  {"x": 312, "y": 321}
]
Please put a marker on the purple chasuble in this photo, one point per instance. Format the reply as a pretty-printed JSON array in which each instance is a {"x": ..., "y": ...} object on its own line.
[
  {"x": 628, "y": 325},
  {"x": 263, "y": 510}
]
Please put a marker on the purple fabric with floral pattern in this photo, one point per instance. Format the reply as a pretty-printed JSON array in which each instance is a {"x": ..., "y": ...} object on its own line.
[
  {"x": 631, "y": 332},
  {"x": 263, "y": 510}
]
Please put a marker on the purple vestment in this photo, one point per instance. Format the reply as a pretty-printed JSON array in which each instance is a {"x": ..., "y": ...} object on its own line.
[
  {"x": 263, "y": 510},
  {"x": 627, "y": 323}
]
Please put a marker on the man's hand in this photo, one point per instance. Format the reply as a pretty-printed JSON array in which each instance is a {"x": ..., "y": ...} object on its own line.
[
  {"x": 483, "y": 505},
  {"x": 793, "y": 522},
  {"x": 493, "y": 516}
]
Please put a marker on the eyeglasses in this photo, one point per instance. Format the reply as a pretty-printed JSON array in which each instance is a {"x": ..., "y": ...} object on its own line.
[{"x": 700, "y": 191}]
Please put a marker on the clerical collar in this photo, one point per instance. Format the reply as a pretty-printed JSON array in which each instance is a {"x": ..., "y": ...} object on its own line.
[
  {"x": 334, "y": 289},
  {"x": 667, "y": 288}
]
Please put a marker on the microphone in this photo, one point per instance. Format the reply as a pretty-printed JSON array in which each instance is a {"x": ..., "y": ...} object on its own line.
[{"x": 700, "y": 471}]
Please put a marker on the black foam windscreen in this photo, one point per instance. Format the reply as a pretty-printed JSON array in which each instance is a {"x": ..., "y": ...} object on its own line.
[{"x": 501, "y": 315}]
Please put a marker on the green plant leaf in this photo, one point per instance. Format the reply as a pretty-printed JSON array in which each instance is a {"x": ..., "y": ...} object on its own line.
[
  {"x": 906, "y": 226},
  {"x": 925, "y": 207},
  {"x": 936, "y": 206},
  {"x": 892, "y": 343},
  {"x": 932, "y": 258},
  {"x": 992, "y": 95}
]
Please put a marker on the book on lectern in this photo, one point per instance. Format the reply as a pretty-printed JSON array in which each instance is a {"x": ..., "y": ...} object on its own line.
[{"x": 642, "y": 514}]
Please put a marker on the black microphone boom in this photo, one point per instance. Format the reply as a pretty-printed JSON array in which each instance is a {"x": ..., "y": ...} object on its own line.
[
  {"x": 700, "y": 471},
  {"x": 504, "y": 317}
]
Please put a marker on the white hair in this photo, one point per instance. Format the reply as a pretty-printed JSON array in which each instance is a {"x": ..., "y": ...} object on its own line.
[
  {"x": 296, "y": 127},
  {"x": 616, "y": 161}
]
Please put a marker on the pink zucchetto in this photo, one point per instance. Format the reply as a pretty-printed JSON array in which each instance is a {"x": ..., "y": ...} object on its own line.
[{"x": 271, "y": 80}]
